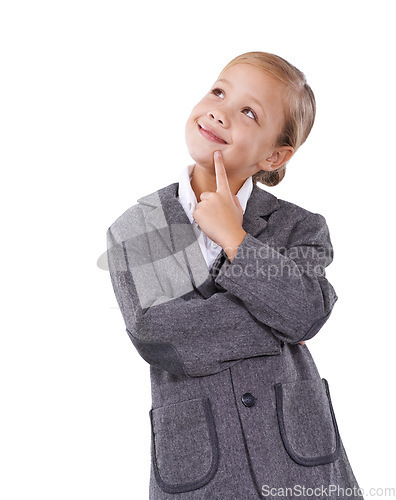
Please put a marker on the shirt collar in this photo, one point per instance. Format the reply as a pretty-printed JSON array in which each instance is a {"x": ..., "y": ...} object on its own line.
[{"x": 189, "y": 201}]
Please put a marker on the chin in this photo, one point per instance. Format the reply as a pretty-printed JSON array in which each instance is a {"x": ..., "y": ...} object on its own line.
[
  {"x": 205, "y": 159},
  {"x": 200, "y": 154}
]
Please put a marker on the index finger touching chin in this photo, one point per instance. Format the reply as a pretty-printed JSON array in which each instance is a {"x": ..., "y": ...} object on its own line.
[{"x": 220, "y": 171}]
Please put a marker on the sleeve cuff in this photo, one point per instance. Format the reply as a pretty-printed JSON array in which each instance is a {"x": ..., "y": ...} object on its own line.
[{"x": 244, "y": 260}]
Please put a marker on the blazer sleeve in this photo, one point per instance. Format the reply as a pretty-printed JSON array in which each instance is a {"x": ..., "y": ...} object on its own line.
[
  {"x": 182, "y": 333},
  {"x": 285, "y": 288}
]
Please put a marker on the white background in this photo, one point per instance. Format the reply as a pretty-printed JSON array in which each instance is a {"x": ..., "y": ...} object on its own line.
[{"x": 94, "y": 100}]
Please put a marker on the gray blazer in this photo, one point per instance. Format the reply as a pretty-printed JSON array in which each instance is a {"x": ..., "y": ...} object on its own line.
[{"x": 239, "y": 409}]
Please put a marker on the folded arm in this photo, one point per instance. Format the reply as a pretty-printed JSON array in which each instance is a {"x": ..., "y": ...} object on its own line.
[
  {"x": 171, "y": 325},
  {"x": 285, "y": 288},
  {"x": 268, "y": 296}
]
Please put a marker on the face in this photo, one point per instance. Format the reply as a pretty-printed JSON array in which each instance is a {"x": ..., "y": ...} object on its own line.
[{"x": 244, "y": 110}]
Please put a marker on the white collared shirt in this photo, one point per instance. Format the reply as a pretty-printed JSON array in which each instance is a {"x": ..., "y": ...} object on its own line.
[{"x": 188, "y": 200}]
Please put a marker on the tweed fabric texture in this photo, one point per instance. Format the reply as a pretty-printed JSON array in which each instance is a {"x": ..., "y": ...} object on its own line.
[{"x": 213, "y": 336}]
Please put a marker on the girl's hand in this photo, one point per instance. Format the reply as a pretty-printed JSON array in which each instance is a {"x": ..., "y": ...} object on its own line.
[
  {"x": 302, "y": 343},
  {"x": 219, "y": 214}
]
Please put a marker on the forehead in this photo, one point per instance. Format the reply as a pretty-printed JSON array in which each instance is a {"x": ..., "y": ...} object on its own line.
[{"x": 247, "y": 80}]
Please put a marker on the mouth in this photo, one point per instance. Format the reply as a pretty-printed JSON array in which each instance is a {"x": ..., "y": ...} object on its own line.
[{"x": 211, "y": 134}]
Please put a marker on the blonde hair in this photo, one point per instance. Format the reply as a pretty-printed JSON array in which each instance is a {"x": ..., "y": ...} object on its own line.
[{"x": 299, "y": 106}]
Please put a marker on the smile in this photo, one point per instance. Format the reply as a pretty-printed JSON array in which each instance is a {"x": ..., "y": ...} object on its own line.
[{"x": 210, "y": 134}]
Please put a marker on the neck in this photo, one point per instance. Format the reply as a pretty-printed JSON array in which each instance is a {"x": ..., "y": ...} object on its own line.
[{"x": 202, "y": 180}]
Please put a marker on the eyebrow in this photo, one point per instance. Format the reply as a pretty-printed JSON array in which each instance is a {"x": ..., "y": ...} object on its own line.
[{"x": 249, "y": 97}]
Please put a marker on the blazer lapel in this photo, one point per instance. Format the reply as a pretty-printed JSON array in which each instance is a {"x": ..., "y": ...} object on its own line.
[
  {"x": 168, "y": 222},
  {"x": 260, "y": 204}
]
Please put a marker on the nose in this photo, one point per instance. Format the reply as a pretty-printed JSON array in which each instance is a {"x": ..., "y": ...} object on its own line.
[{"x": 218, "y": 116}]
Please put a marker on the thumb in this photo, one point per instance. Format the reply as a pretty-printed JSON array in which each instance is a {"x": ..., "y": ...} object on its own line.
[{"x": 236, "y": 200}]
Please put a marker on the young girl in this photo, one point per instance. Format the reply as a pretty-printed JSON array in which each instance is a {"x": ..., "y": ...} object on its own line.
[{"x": 220, "y": 283}]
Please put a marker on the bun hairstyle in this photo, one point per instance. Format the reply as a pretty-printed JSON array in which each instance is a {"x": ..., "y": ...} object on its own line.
[{"x": 299, "y": 106}]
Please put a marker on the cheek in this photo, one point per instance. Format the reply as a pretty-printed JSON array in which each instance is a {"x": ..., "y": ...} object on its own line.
[
  {"x": 197, "y": 112},
  {"x": 263, "y": 138},
  {"x": 244, "y": 138},
  {"x": 191, "y": 121},
  {"x": 250, "y": 146},
  {"x": 198, "y": 109}
]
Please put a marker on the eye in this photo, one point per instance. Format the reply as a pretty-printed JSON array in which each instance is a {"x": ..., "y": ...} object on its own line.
[
  {"x": 217, "y": 91},
  {"x": 249, "y": 110}
]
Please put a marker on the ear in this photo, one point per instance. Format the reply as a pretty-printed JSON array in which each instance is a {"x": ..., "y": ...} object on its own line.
[{"x": 277, "y": 159}]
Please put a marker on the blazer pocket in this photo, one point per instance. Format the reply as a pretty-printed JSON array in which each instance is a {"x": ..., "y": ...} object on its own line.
[
  {"x": 307, "y": 422},
  {"x": 185, "y": 451}
]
